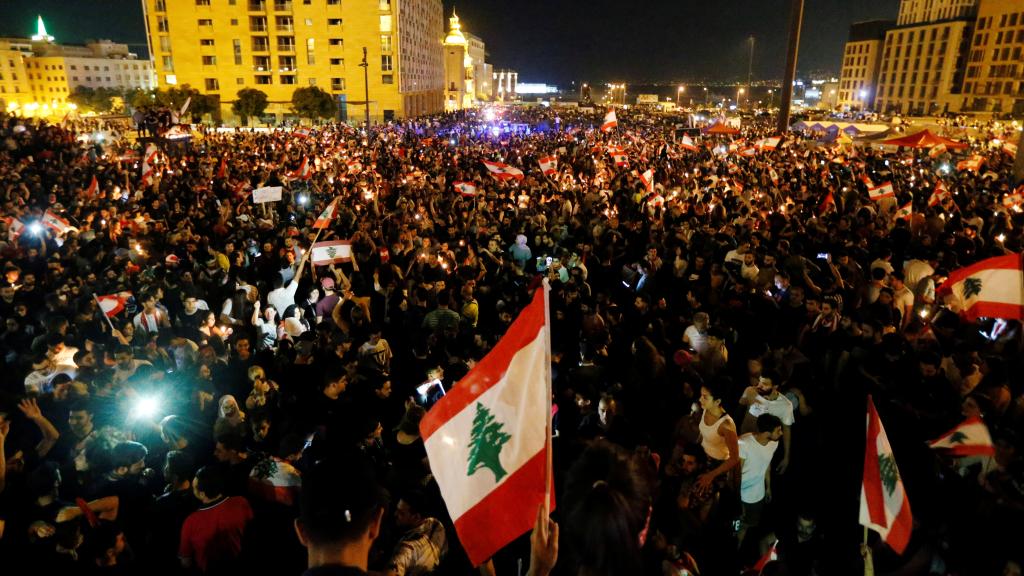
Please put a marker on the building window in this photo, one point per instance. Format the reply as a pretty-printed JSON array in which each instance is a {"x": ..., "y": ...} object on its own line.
[
  {"x": 165, "y": 45},
  {"x": 387, "y": 79},
  {"x": 237, "y": 47},
  {"x": 287, "y": 79},
  {"x": 205, "y": 22},
  {"x": 337, "y": 83},
  {"x": 263, "y": 80},
  {"x": 309, "y": 21},
  {"x": 257, "y": 24},
  {"x": 312, "y": 81},
  {"x": 168, "y": 64},
  {"x": 286, "y": 63},
  {"x": 260, "y": 44},
  {"x": 336, "y": 42},
  {"x": 334, "y": 21},
  {"x": 160, "y": 6},
  {"x": 285, "y": 24},
  {"x": 202, "y": 2},
  {"x": 385, "y": 22},
  {"x": 282, "y": 5},
  {"x": 310, "y": 51},
  {"x": 285, "y": 43},
  {"x": 261, "y": 63},
  {"x": 334, "y": 2},
  {"x": 385, "y": 43},
  {"x": 239, "y": 81},
  {"x": 209, "y": 60},
  {"x": 206, "y": 42},
  {"x": 234, "y": 21},
  {"x": 337, "y": 61},
  {"x": 161, "y": 24},
  {"x": 385, "y": 63}
]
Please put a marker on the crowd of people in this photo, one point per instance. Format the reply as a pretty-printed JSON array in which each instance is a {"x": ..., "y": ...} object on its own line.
[{"x": 185, "y": 392}]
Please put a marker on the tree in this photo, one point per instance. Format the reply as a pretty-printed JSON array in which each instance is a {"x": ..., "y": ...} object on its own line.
[
  {"x": 313, "y": 102},
  {"x": 250, "y": 102},
  {"x": 99, "y": 100},
  {"x": 486, "y": 441}
]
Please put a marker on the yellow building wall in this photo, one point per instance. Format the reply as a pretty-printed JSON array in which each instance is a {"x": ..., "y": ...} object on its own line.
[
  {"x": 314, "y": 20},
  {"x": 49, "y": 81},
  {"x": 15, "y": 89}
]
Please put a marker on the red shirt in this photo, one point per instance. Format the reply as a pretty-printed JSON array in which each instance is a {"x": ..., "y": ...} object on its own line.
[{"x": 214, "y": 534}]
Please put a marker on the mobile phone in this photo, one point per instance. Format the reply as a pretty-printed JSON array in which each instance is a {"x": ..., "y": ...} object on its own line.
[{"x": 822, "y": 255}]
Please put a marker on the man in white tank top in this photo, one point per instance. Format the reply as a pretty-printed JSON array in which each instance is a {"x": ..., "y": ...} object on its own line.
[{"x": 765, "y": 398}]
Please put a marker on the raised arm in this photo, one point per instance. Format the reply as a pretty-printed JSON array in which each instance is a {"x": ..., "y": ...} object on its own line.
[{"x": 30, "y": 408}]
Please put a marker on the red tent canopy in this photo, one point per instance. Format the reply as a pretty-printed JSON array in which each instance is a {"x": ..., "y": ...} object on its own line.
[
  {"x": 923, "y": 139},
  {"x": 720, "y": 128}
]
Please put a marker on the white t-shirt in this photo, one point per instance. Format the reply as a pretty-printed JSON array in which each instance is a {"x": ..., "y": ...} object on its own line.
[
  {"x": 780, "y": 407},
  {"x": 755, "y": 459},
  {"x": 697, "y": 340}
]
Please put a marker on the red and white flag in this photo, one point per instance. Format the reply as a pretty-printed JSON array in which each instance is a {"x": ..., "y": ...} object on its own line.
[
  {"x": 56, "y": 223},
  {"x": 882, "y": 191},
  {"x": 768, "y": 143},
  {"x": 828, "y": 202},
  {"x": 303, "y": 172},
  {"x": 1010, "y": 148},
  {"x": 301, "y": 133},
  {"x": 1015, "y": 199},
  {"x": 548, "y": 165},
  {"x": 884, "y": 506},
  {"x": 866, "y": 180},
  {"x": 325, "y": 217},
  {"x": 648, "y": 179},
  {"x": 149, "y": 165},
  {"x": 503, "y": 171},
  {"x": 113, "y": 304},
  {"x": 748, "y": 152},
  {"x": 222, "y": 172},
  {"x": 354, "y": 166},
  {"x": 905, "y": 212},
  {"x": 330, "y": 252},
  {"x": 618, "y": 154},
  {"x": 15, "y": 228},
  {"x": 93, "y": 189},
  {"x": 610, "y": 121},
  {"x": 936, "y": 151},
  {"x": 687, "y": 144},
  {"x": 488, "y": 439},
  {"x": 992, "y": 288},
  {"x": 275, "y": 480},
  {"x": 939, "y": 194},
  {"x": 969, "y": 438},
  {"x": 973, "y": 163},
  {"x": 467, "y": 189}
]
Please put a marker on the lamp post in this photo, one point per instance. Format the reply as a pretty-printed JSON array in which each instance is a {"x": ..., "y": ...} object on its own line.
[
  {"x": 706, "y": 96},
  {"x": 582, "y": 87},
  {"x": 738, "y": 94},
  {"x": 366, "y": 84},
  {"x": 679, "y": 92},
  {"x": 832, "y": 98},
  {"x": 771, "y": 97}
]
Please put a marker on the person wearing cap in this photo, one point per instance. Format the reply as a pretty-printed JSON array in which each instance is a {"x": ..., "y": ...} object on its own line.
[{"x": 326, "y": 304}]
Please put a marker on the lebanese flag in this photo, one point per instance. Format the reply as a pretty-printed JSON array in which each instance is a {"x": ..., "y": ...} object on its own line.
[
  {"x": 222, "y": 172},
  {"x": 15, "y": 228},
  {"x": 687, "y": 144},
  {"x": 548, "y": 165},
  {"x": 325, "y": 217},
  {"x": 830, "y": 200},
  {"x": 939, "y": 194},
  {"x": 648, "y": 179},
  {"x": 113, "y": 304},
  {"x": 867, "y": 181},
  {"x": 618, "y": 154},
  {"x": 148, "y": 168},
  {"x": 770, "y": 556},
  {"x": 884, "y": 506},
  {"x": 905, "y": 212},
  {"x": 354, "y": 166},
  {"x": 936, "y": 151},
  {"x": 488, "y": 439},
  {"x": 467, "y": 189},
  {"x": 1011, "y": 200},
  {"x": 503, "y": 171},
  {"x": 768, "y": 143},
  {"x": 774, "y": 176},
  {"x": 748, "y": 152},
  {"x": 973, "y": 163},
  {"x": 330, "y": 252},
  {"x": 94, "y": 187},
  {"x": 970, "y": 438},
  {"x": 1010, "y": 148},
  {"x": 881, "y": 191},
  {"x": 56, "y": 223},
  {"x": 610, "y": 121},
  {"x": 303, "y": 172},
  {"x": 992, "y": 288},
  {"x": 275, "y": 480},
  {"x": 301, "y": 133}
]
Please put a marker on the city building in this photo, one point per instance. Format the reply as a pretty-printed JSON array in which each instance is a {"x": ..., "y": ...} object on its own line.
[
  {"x": 467, "y": 75},
  {"x": 994, "y": 81},
  {"x": 37, "y": 74},
  {"x": 504, "y": 85},
  {"x": 222, "y": 46},
  {"x": 924, "y": 57},
  {"x": 482, "y": 70},
  {"x": 862, "y": 57}
]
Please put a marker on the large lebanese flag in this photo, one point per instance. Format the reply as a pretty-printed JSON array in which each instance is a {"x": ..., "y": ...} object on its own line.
[
  {"x": 884, "y": 506},
  {"x": 687, "y": 144},
  {"x": 487, "y": 439},
  {"x": 503, "y": 171},
  {"x": 610, "y": 121},
  {"x": 325, "y": 217},
  {"x": 148, "y": 168},
  {"x": 467, "y": 189},
  {"x": 992, "y": 288},
  {"x": 303, "y": 172},
  {"x": 939, "y": 194},
  {"x": 882, "y": 191},
  {"x": 548, "y": 165},
  {"x": 970, "y": 438},
  {"x": 648, "y": 179},
  {"x": 113, "y": 304}
]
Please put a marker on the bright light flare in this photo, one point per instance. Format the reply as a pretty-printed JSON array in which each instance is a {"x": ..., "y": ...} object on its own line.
[{"x": 145, "y": 407}]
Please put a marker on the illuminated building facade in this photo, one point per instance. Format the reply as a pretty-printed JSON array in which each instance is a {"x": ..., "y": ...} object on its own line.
[
  {"x": 994, "y": 81},
  {"x": 862, "y": 58}
]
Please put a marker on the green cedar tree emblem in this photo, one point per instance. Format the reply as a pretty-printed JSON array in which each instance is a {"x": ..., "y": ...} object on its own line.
[
  {"x": 887, "y": 469},
  {"x": 486, "y": 441},
  {"x": 957, "y": 437},
  {"x": 972, "y": 287},
  {"x": 331, "y": 251}
]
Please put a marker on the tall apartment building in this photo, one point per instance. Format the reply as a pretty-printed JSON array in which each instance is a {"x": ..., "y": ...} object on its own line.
[
  {"x": 222, "y": 46},
  {"x": 994, "y": 81},
  {"x": 862, "y": 58},
  {"x": 15, "y": 90},
  {"x": 924, "y": 55}
]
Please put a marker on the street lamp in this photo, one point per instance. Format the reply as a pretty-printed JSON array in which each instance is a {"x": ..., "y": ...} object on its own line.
[
  {"x": 738, "y": 94},
  {"x": 679, "y": 93},
  {"x": 771, "y": 98},
  {"x": 706, "y": 96},
  {"x": 582, "y": 88},
  {"x": 366, "y": 83},
  {"x": 832, "y": 98}
]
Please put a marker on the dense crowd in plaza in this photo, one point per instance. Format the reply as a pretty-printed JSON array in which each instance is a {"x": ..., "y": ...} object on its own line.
[{"x": 719, "y": 313}]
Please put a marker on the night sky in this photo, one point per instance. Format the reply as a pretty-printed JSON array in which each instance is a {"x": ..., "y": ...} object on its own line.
[{"x": 558, "y": 41}]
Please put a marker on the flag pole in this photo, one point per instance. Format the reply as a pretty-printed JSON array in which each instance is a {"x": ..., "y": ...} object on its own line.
[
  {"x": 548, "y": 473},
  {"x": 869, "y": 564},
  {"x": 105, "y": 317}
]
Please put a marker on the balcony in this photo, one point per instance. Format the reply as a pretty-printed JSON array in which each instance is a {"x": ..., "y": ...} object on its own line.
[
  {"x": 260, "y": 46},
  {"x": 285, "y": 28},
  {"x": 257, "y": 6},
  {"x": 285, "y": 46},
  {"x": 257, "y": 28},
  {"x": 282, "y": 6}
]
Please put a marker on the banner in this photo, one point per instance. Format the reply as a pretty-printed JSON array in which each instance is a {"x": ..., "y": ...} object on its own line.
[{"x": 267, "y": 194}]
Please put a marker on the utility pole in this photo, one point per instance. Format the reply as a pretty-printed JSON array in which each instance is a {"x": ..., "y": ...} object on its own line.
[
  {"x": 750, "y": 70},
  {"x": 796, "y": 20},
  {"x": 366, "y": 84}
]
